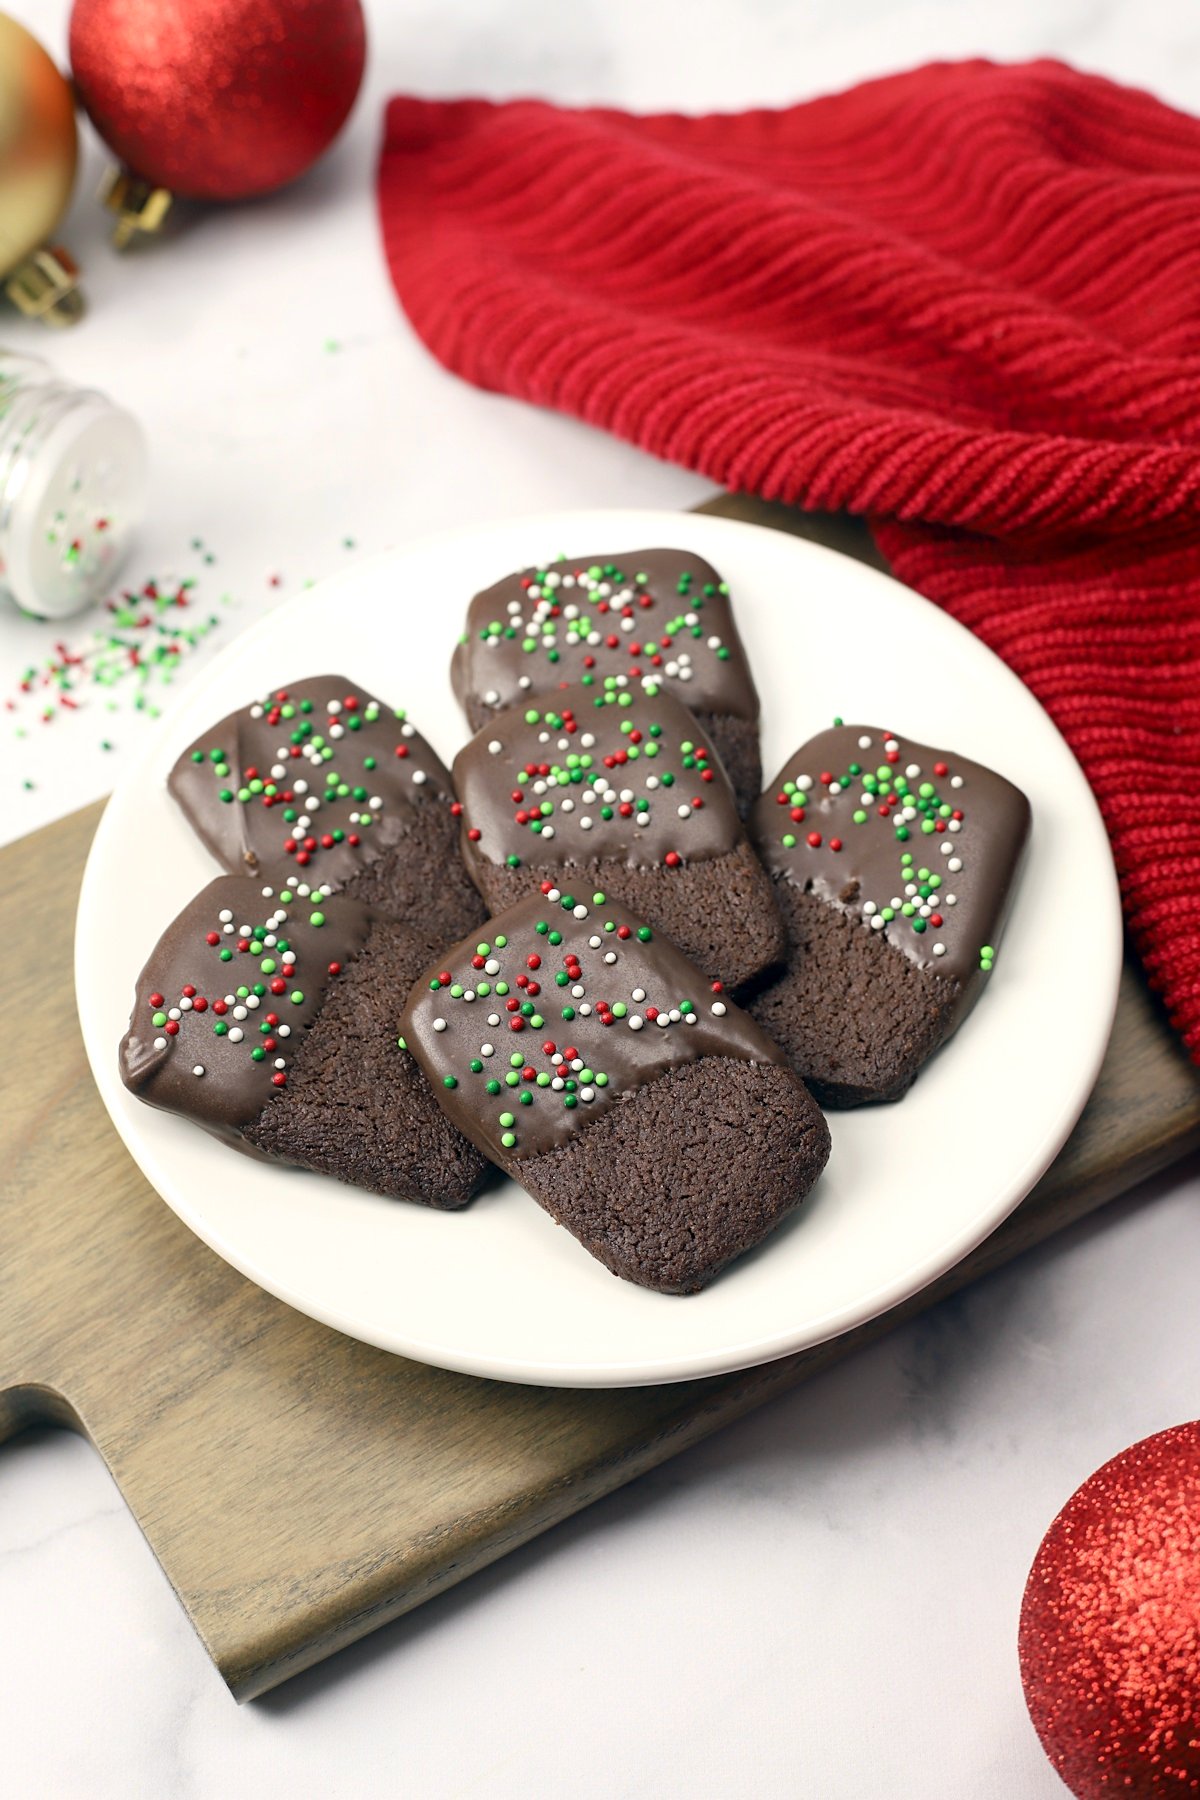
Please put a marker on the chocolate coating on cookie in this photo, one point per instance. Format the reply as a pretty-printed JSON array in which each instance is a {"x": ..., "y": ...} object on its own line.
[
  {"x": 564, "y": 1005},
  {"x": 591, "y": 774},
  {"x": 315, "y": 781},
  {"x": 224, "y": 1002},
  {"x": 644, "y": 617},
  {"x": 921, "y": 845}
]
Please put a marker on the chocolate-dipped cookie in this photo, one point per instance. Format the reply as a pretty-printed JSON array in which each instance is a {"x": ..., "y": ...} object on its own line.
[
  {"x": 578, "y": 1048},
  {"x": 894, "y": 865},
  {"x": 270, "y": 1019},
  {"x": 645, "y": 617},
  {"x": 614, "y": 788},
  {"x": 321, "y": 782}
]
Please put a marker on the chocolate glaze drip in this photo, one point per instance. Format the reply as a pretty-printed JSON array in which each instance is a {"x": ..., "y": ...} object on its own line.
[
  {"x": 646, "y": 596},
  {"x": 497, "y": 997},
  {"x": 217, "y": 1027},
  {"x": 289, "y": 743},
  {"x": 962, "y": 824},
  {"x": 601, "y": 774}
]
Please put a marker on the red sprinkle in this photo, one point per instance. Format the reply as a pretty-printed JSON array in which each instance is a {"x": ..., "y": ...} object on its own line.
[{"x": 814, "y": 840}]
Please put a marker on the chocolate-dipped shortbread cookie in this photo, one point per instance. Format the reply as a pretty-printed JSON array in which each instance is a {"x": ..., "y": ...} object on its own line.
[
  {"x": 270, "y": 1019},
  {"x": 615, "y": 788},
  {"x": 321, "y": 782},
  {"x": 645, "y": 617},
  {"x": 583, "y": 1052},
  {"x": 894, "y": 865}
]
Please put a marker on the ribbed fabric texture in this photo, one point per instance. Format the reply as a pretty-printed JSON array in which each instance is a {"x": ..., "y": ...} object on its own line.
[{"x": 964, "y": 301}]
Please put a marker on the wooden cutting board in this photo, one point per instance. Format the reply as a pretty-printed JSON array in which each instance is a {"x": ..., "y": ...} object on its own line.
[{"x": 297, "y": 1487}]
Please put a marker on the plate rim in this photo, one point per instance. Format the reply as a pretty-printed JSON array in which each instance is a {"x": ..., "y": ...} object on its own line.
[{"x": 728, "y": 1358}]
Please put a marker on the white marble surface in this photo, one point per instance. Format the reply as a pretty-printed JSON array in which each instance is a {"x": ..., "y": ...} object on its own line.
[{"x": 822, "y": 1600}]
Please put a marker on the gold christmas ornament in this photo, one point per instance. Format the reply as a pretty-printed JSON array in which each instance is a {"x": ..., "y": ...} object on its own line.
[{"x": 38, "y": 150}]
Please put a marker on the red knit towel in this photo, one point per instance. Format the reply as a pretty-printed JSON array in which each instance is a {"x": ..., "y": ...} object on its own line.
[{"x": 964, "y": 301}]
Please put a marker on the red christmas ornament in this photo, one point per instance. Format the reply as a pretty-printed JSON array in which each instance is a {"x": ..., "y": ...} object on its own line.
[
  {"x": 1110, "y": 1626},
  {"x": 217, "y": 99}
]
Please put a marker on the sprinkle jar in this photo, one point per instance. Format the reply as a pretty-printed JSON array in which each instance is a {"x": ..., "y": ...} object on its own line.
[{"x": 72, "y": 488}]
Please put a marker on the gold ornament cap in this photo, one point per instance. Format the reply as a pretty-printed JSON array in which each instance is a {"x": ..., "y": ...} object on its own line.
[{"x": 141, "y": 208}]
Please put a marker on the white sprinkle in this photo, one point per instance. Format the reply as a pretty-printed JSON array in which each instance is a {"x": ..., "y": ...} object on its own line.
[
  {"x": 956, "y": 781},
  {"x": 333, "y": 706},
  {"x": 643, "y": 818},
  {"x": 236, "y": 1035},
  {"x": 587, "y": 740},
  {"x": 174, "y": 1013},
  {"x": 557, "y": 1084},
  {"x": 954, "y": 824},
  {"x": 567, "y": 806},
  {"x": 585, "y": 824},
  {"x": 185, "y": 1005},
  {"x": 487, "y": 1049},
  {"x": 495, "y": 747},
  {"x": 804, "y": 782},
  {"x": 684, "y": 812},
  {"x": 283, "y": 1031},
  {"x": 877, "y": 924},
  {"x": 868, "y": 908},
  {"x": 864, "y": 743},
  {"x": 718, "y": 1008},
  {"x": 581, "y": 912},
  {"x": 912, "y": 770},
  {"x": 492, "y": 698},
  {"x": 407, "y": 730},
  {"x": 280, "y": 1063},
  {"x": 939, "y": 949},
  {"x": 252, "y": 1002},
  {"x": 224, "y": 915},
  {"x": 491, "y": 966},
  {"x": 594, "y": 942},
  {"x": 610, "y": 956},
  {"x": 469, "y": 994},
  {"x": 239, "y": 1012},
  {"x": 947, "y": 849},
  {"x": 954, "y": 865},
  {"x": 636, "y": 1022},
  {"x": 663, "y": 1019},
  {"x": 526, "y": 681},
  {"x": 439, "y": 1024},
  {"x": 578, "y": 991},
  {"x": 638, "y": 994},
  {"x": 554, "y": 894},
  {"x": 493, "y": 1018},
  {"x": 199, "y": 1069},
  {"x": 547, "y": 831},
  {"x": 160, "y": 1043},
  {"x": 587, "y": 1093}
]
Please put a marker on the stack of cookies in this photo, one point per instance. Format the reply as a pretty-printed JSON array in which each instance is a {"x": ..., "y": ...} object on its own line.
[{"x": 594, "y": 955}]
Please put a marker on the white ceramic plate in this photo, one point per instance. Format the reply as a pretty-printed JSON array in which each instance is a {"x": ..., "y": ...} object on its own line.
[{"x": 498, "y": 1289}]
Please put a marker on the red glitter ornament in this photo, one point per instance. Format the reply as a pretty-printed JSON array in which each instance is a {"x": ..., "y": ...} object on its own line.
[
  {"x": 218, "y": 99},
  {"x": 1110, "y": 1626}
]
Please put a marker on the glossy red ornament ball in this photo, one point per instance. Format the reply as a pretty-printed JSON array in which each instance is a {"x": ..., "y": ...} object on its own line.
[
  {"x": 1110, "y": 1626},
  {"x": 218, "y": 99}
]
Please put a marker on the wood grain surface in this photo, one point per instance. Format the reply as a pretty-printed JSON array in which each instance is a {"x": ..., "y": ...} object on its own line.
[{"x": 300, "y": 1488}]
